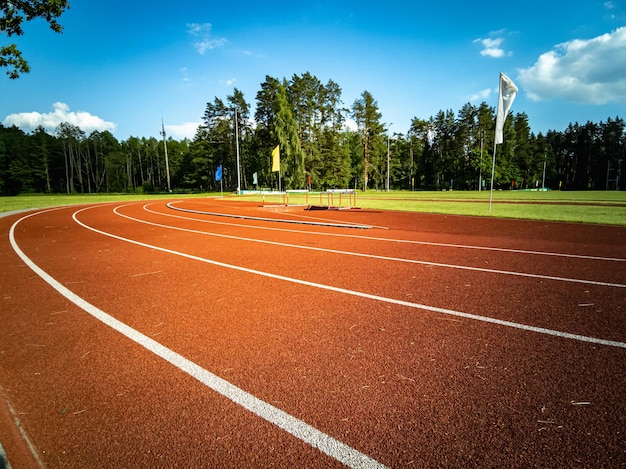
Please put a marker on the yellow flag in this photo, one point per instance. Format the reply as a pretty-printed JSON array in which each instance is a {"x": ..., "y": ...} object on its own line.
[{"x": 276, "y": 159}]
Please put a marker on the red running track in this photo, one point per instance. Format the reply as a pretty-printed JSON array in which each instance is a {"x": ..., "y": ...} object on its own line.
[{"x": 187, "y": 339}]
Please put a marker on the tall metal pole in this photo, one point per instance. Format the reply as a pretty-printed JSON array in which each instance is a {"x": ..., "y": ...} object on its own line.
[
  {"x": 493, "y": 170},
  {"x": 365, "y": 161},
  {"x": 411, "y": 171},
  {"x": 388, "y": 153},
  {"x": 237, "y": 146},
  {"x": 387, "y": 160},
  {"x": 480, "y": 171},
  {"x": 167, "y": 163}
]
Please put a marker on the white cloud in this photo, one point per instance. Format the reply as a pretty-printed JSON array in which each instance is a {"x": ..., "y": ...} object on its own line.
[
  {"x": 205, "y": 40},
  {"x": 184, "y": 130},
  {"x": 481, "y": 95},
  {"x": 29, "y": 121},
  {"x": 491, "y": 47},
  {"x": 185, "y": 75},
  {"x": 586, "y": 71}
]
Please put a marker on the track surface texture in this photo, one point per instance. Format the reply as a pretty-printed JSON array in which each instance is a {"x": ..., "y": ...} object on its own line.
[{"x": 168, "y": 335}]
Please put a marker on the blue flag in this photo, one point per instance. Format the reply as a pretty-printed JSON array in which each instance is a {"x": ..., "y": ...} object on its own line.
[{"x": 218, "y": 173}]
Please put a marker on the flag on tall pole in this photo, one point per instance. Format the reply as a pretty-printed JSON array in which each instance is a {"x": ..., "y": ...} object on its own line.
[
  {"x": 218, "y": 177},
  {"x": 276, "y": 162},
  {"x": 506, "y": 96},
  {"x": 276, "y": 159}
]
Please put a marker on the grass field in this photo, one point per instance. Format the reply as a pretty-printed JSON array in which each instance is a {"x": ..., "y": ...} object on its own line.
[
  {"x": 30, "y": 201},
  {"x": 584, "y": 207},
  {"x": 600, "y": 207}
]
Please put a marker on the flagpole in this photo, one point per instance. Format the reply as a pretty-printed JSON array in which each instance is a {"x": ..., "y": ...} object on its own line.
[
  {"x": 493, "y": 170},
  {"x": 276, "y": 163},
  {"x": 219, "y": 176},
  {"x": 506, "y": 94}
]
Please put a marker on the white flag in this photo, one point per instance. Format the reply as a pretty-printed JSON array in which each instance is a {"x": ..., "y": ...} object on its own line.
[{"x": 507, "y": 94}]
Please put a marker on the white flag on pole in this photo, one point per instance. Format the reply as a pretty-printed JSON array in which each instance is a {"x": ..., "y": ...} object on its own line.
[{"x": 506, "y": 96}]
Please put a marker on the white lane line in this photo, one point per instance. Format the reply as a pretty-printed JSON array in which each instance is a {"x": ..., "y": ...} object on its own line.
[
  {"x": 372, "y": 256},
  {"x": 272, "y": 220},
  {"x": 296, "y": 427},
  {"x": 31, "y": 446},
  {"x": 450, "y": 312},
  {"x": 332, "y": 220},
  {"x": 402, "y": 241}
]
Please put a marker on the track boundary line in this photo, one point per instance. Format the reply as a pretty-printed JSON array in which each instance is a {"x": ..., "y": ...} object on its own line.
[
  {"x": 27, "y": 440},
  {"x": 406, "y": 241},
  {"x": 435, "y": 309},
  {"x": 372, "y": 256},
  {"x": 271, "y": 220},
  {"x": 285, "y": 421}
]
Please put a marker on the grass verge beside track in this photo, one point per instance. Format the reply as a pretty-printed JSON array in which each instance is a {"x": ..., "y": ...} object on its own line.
[{"x": 599, "y": 207}]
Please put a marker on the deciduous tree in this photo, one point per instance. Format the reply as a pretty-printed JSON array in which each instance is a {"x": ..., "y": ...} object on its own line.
[{"x": 14, "y": 13}]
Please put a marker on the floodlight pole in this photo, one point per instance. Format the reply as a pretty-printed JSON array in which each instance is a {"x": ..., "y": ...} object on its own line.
[
  {"x": 237, "y": 146},
  {"x": 480, "y": 171},
  {"x": 411, "y": 170},
  {"x": 388, "y": 153},
  {"x": 366, "y": 131},
  {"x": 167, "y": 163}
]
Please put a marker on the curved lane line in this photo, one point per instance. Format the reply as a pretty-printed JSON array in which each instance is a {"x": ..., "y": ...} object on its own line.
[
  {"x": 403, "y": 241},
  {"x": 369, "y": 256},
  {"x": 296, "y": 427},
  {"x": 271, "y": 220},
  {"x": 450, "y": 312}
]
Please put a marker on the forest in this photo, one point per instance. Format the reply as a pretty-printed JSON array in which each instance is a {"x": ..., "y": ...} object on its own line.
[{"x": 318, "y": 151}]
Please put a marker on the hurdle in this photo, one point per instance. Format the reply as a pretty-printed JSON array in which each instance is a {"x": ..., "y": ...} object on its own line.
[
  {"x": 329, "y": 199},
  {"x": 333, "y": 199}
]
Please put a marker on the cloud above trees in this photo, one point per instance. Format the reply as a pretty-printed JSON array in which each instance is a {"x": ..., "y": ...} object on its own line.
[
  {"x": 29, "y": 121},
  {"x": 492, "y": 46},
  {"x": 591, "y": 71},
  {"x": 203, "y": 37},
  {"x": 181, "y": 131}
]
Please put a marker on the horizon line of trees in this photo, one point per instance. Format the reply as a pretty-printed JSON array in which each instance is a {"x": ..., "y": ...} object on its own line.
[{"x": 306, "y": 118}]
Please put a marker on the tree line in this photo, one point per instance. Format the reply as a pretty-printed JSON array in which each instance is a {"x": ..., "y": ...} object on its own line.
[{"x": 307, "y": 120}]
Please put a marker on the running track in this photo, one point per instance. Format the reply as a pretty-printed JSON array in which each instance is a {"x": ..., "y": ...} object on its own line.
[{"x": 170, "y": 335}]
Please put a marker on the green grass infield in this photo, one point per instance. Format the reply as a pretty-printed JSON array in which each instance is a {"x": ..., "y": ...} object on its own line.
[{"x": 598, "y": 207}]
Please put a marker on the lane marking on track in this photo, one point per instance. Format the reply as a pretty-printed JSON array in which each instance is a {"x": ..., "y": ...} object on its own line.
[
  {"x": 29, "y": 443},
  {"x": 402, "y": 241},
  {"x": 308, "y": 217},
  {"x": 369, "y": 256},
  {"x": 272, "y": 220},
  {"x": 287, "y": 213},
  {"x": 296, "y": 427},
  {"x": 450, "y": 312}
]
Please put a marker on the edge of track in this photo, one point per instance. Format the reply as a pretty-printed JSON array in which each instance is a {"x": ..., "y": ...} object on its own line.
[{"x": 275, "y": 220}]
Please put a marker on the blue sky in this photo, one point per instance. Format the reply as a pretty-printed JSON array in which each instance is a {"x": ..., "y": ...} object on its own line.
[{"x": 121, "y": 65}]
